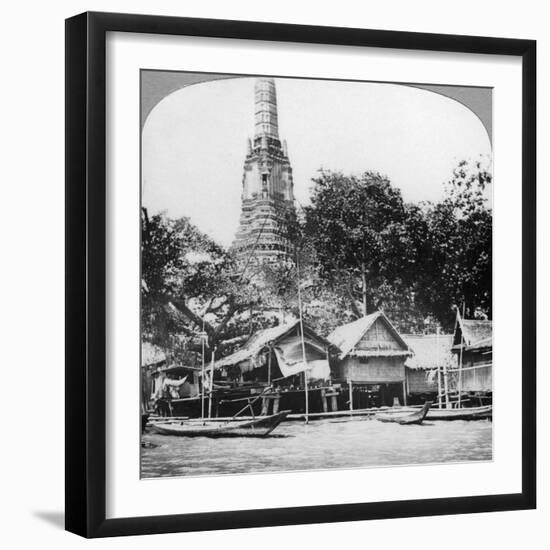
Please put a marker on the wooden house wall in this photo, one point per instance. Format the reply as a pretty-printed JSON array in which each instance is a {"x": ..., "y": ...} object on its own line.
[
  {"x": 418, "y": 381},
  {"x": 378, "y": 337},
  {"x": 375, "y": 370},
  {"x": 480, "y": 379}
]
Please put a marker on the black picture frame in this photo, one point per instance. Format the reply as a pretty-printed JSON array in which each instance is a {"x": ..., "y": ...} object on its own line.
[{"x": 86, "y": 284}]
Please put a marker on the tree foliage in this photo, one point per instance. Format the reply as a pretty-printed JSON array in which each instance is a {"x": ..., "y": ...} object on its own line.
[
  {"x": 359, "y": 247},
  {"x": 190, "y": 285},
  {"x": 414, "y": 261}
]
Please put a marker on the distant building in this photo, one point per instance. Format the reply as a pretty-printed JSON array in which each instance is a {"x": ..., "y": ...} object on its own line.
[
  {"x": 430, "y": 352},
  {"x": 372, "y": 360},
  {"x": 473, "y": 347},
  {"x": 267, "y": 207}
]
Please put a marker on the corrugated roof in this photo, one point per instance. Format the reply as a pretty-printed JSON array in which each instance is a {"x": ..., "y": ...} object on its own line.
[
  {"x": 260, "y": 339},
  {"x": 474, "y": 331},
  {"x": 430, "y": 350},
  {"x": 347, "y": 336},
  {"x": 151, "y": 354}
]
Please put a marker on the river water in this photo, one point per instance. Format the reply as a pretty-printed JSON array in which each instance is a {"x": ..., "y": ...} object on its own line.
[{"x": 321, "y": 444}]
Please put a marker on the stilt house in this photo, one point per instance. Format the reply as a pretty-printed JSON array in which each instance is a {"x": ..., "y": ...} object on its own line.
[
  {"x": 274, "y": 354},
  {"x": 152, "y": 358},
  {"x": 372, "y": 361},
  {"x": 430, "y": 351},
  {"x": 473, "y": 350},
  {"x": 275, "y": 357}
]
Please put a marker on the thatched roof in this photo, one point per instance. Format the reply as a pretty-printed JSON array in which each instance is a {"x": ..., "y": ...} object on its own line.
[
  {"x": 347, "y": 336},
  {"x": 258, "y": 341},
  {"x": 430, "y": 350},
  {"x": 151, "y": 355},
  {"x": 473, "y": 334}
]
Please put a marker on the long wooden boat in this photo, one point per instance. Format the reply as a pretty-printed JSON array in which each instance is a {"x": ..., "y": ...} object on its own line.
[
  {"x": 466, "y": 413},
  {"x": 257, "y": 427},
  {"x": 463, "y": 413},
  {"x": 408, "y": 418}
]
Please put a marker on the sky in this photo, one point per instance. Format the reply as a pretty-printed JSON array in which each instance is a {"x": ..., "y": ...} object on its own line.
[{"x": 194, "y": 142}]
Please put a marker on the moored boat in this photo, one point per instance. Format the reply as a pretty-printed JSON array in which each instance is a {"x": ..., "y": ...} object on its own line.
[
  {"x": 465, "y": 413},
  {"x": 434, "y": 413},
  {"x": 257, "y": 427},
  {"x": 410, "y": 418}
]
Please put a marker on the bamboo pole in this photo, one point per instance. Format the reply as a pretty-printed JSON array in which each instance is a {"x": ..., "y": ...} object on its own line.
[
  {"x": 461, "y": 351},
  {"x": 350, "y": 390},
  {"x": 269, "y": 365},
  {"x": 211, "y": 384},
  {"x": 202, "y": 372},
  {"x": 304, "y": 358},
  {"x": 446, "y": 385},
  {"x": 438, "y": 368}
]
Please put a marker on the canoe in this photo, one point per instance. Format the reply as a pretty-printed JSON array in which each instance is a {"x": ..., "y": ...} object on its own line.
[
  {"x": 258, "y": 427},
  {"x": 467, "y": 413},
  {"x": 409, "y": 418},
  {"x": 463, "y": 413}
]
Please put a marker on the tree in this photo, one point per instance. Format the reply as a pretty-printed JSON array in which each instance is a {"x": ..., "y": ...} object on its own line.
[
  {"x": 414, "y": 261},
  {"x": 190, "y": 285},
  {"x": 357, "y": 226},
  {"x": 460, "y": 233}
]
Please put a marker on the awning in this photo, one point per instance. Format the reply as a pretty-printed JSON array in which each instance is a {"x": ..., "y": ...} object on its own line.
[{"x": 318, "y": 369}]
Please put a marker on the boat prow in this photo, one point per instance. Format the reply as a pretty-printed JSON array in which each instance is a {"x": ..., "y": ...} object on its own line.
[{"x": 412, "y": 418}]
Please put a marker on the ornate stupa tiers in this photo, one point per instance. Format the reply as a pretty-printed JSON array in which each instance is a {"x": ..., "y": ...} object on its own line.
[{"x": 267, "y": 187}]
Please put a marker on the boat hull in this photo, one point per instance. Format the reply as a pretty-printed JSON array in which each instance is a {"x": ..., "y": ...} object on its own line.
[
  {"x": 259, "y": 427},
  {"x": 405, "y": 419},
  {"x": 471, "y": 413}
]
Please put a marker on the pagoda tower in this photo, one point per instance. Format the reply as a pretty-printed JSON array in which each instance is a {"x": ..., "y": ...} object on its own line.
[{"x": 267, "y": 200}]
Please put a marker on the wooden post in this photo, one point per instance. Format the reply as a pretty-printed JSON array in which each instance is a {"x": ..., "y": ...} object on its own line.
[
  {"x": 461, "y": 351},
  {"x": 304, "y": 358},
  {"x": 334, "y": 403},
  {"x": 404, "y": 393},
  {"x": 446, "y": 386},
  {"x": 276, "y": 404},
  {"x": 350, "y": 390},
  {"x": 438, "y": 368},
  {"x": 439, "y": 403},
  {"x": 211, "y": 384},
  {"x": 324, "y": 400},
  {"x": 269, "y": 366},
  {"x": 202, "y": 372}
]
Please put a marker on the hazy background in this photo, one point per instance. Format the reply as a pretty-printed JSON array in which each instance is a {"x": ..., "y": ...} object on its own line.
[{"x": 194, "y": 142}]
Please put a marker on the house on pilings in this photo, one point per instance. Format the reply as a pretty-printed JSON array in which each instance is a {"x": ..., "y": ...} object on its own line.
[
  {"x": 153, "y": 358},
  {"x": 275, "y": 357},
  {"x": 430, "y": 353},
  {"x": 371, "y": 363},
  {"x": 473, "y": 351}
]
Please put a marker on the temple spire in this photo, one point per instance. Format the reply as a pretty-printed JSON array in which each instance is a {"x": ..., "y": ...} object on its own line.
[
  {"x": 267, "y": 207},
  {"x": 266, "y": 122}
]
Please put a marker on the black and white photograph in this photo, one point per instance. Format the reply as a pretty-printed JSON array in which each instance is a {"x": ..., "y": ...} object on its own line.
[
  {"x": 259, "y": 262},
  {"x": 316, "y": 274}
]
